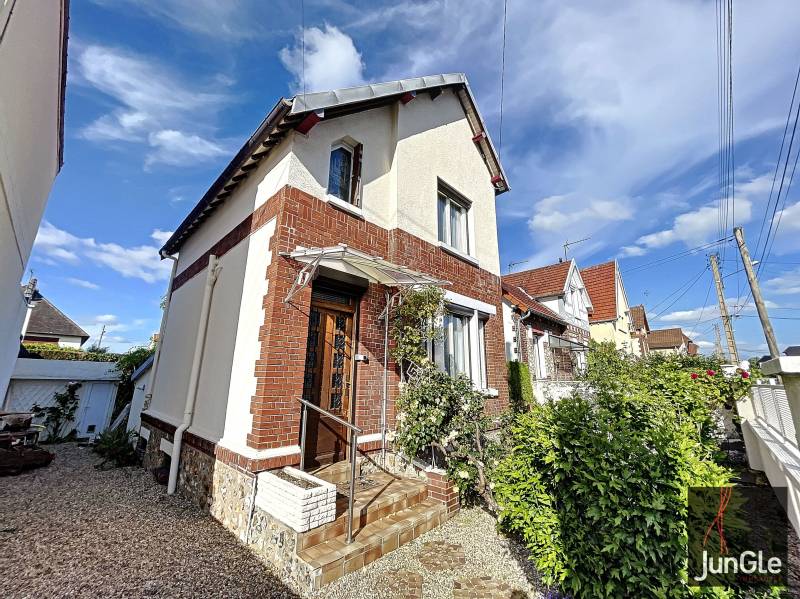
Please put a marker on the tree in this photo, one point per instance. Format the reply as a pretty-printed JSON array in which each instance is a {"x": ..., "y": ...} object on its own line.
[{"x": 58, "y": 416}]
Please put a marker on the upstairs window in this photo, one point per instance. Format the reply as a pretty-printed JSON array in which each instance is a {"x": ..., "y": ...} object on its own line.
[
  {"x": 344, "y": 174},
  {"x": 453, "y": 221}
]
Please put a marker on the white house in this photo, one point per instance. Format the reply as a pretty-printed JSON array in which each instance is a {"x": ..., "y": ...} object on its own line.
[
  {"x": 33, "y": 59},
  {"x": 141, "y": 380},
  {"x": 282, "y": 275}
]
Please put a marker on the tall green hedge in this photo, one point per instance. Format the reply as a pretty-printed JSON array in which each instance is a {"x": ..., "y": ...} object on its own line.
[
  {"x": 51, "y": 351},
  {"x": 520, "y": 390},
  {"x": 597, "y": 485}
]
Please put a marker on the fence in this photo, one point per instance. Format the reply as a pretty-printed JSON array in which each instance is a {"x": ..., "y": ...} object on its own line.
[{"x": 771, "y": 405}]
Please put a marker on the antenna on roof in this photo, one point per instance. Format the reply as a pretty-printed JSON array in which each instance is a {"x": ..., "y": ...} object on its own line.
[
  {"x": 513, "y": 264},
  {"x": 569, "y": 243}
]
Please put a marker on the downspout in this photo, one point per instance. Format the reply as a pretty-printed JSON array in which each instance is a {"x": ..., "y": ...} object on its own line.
[
  {"x": 161, "y": 330},
  {"x": 194, "y": 376},
  {"x": 385, "y": 380}
]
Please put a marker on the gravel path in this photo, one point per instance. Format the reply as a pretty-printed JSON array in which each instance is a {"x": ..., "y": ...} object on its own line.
[
  {"x": 70, "y": 530},
  {"x": 487, "y": 553}
]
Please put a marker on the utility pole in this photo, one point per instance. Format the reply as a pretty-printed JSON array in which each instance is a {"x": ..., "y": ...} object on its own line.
[
  {"x": 733, "y": 354},
  {"x": 102, "y": 334},
  {"x": 717, "y": 342},
  {"x": 772, "y": 343}
]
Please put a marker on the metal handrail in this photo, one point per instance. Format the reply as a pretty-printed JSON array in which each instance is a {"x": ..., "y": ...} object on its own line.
[{"x": 354, "y": 430}]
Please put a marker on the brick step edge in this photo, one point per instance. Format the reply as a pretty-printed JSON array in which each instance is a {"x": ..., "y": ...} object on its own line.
[
  {"x": 335, "y": 558},
  {"x": 363, "y": 515}
]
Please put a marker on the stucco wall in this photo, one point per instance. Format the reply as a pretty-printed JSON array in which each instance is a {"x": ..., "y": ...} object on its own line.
[
  {"x": 30, "y": 84},
  {"x": 238, "y": 419}
]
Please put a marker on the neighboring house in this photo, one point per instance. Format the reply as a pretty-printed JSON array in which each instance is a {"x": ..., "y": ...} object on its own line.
[
  {"x": 36, "y": 381},
  {"x": 671, "y": 341},
  {"x": 33, "y": 59},
  {"x": 640, "y": 328},
  {"x": 610, "y": 320},
  {"x": 47, "y": 324},
  {"x": 140, "y": 378},
  {"x": 339, "y": 200}
]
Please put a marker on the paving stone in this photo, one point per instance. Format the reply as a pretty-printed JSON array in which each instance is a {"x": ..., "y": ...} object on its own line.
[
  {"x": 403, "y": 584},
  {"x": 441, "y": 555},
  {"x": 484, "y": 587}
]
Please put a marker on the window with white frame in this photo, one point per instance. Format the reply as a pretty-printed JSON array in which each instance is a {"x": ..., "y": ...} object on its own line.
[
  {"x": 453, "y": 219},
  {"x": 344, "y": 173},
  {"x": 462, "y": 348}
]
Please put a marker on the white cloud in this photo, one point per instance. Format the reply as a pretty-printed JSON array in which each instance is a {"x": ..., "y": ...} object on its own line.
[
  {"x": 787, "y": 283},
  {"x": 105, "y": 318},
  {"x": 82, "y": 283},
  {"x": 565, "y": 213},
  {"x": 141, "y": 262},
  {"x": 153, "y": 106},
  {"x": 331, "y": 60},
  {"x": 231, "y": 19},
  {"x": 160, "y": 236}
]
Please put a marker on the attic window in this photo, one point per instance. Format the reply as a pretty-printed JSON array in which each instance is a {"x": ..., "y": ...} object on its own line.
[{"x": 344, "y": 175}]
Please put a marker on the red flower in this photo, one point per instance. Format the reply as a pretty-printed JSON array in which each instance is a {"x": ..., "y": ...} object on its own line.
[
  {"x": 710, "y": 372},
  {"x": 745, "y": 374},
  {"x": 694, "y": 375}
]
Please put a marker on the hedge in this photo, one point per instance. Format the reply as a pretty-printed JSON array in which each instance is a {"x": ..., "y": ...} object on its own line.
[{"x": 51, "y": 351}]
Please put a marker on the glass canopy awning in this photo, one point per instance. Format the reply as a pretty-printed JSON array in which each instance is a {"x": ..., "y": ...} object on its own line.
[
  {"x": 345, "y": 259},
  {"x": 556, "y": 341}
]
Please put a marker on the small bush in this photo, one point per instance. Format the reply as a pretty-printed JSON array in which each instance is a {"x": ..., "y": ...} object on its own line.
[
  {"x": 59, "y": 416},
  {"x": 117, "y": 446},
  {"x": 520, "y": 390}
]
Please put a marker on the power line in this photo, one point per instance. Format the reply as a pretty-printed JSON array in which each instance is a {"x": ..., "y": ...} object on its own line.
[
  {"x": 681, "y": 286},
  {"x": 678, "y": 255},
  {"x": 685, "y": 291}
]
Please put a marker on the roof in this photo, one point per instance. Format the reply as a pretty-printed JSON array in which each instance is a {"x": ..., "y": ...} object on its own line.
[
  {"x": 526, "y": 303},
  {"x": 65, "y": 370},
  {"x": 541, "y": 282},
  {"x": 639, "y": 317},
  {"x": 46, "y": 319},
  {"x": 601, "y": 284},
  {"x": 143, "y": 367},
  {"x": 307, "y": 109},
  {"x": 667, "y": 338},
  {"x": 792, "y": 350}
]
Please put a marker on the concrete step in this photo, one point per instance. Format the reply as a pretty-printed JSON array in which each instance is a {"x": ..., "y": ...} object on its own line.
[
  {"x": 333, "y": 558},
  {"x": 390, "y": 496}
]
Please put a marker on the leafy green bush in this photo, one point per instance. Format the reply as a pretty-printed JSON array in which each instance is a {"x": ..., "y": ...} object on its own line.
[
  {"x": 117, "y": 446},
  {"x": 51, "y": 351},
  {"x": 443, "y": 414},
  {"x": 414, "y": 323},
  {"x": 520, "y": 389},
  {"x": 596, "y": 486}
]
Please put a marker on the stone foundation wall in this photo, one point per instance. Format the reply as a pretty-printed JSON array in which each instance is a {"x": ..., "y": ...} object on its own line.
[
  {"x": 195, "y": 476},
  {"x": 232, "y": 498},
  {"x": 153, "y": 456}
]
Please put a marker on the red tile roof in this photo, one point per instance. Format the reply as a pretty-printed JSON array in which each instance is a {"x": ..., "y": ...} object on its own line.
[
  {"x": 601, "y": 284},
  {"x": 524, "y": 302},
  {"x": 639, "y": 318},
  {"x": 667, "y": 338},
  {"x": 541, "y": 282}
]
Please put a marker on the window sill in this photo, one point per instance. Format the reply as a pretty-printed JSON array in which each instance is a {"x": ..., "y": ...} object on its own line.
[
  {"x": 490, "y": 392},
  {"x": 344, "y": 206},
  {"x": 458, "y": 254}
]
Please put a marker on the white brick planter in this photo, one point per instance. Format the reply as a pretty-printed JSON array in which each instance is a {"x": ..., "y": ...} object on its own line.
[{"x": 302, "y": 509}]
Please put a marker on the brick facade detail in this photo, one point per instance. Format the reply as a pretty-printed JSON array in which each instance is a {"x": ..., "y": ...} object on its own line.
[
  {"x": 442, "y": 490},
  {"x": 304, "y": 220}
]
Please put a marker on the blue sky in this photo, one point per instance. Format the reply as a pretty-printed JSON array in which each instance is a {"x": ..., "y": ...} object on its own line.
[{"x": 609, "y": 132}]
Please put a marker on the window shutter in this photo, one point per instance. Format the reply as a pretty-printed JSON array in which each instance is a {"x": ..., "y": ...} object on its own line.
[{"x": 355, "y": 179}]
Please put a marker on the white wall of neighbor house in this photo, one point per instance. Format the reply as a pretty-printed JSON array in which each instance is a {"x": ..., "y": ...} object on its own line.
[
  {"x": 237, "y": 417},
  {"x": 137, "y": 400},
  {"x": 30, "y": 104},
  {"x": 509, "y": 332}
]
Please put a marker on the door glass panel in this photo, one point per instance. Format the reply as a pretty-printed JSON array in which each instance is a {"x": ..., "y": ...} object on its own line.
[{"x": 311, "y": 355}]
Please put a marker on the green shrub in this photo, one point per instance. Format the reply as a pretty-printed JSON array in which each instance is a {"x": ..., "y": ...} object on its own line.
[
  {"x": 520, "y": 389},
  {"x": 444, "y": 414},
  {"x": 596, "y": 486},
  {"x": 51, "y": 351},
  {"x": 117, "y": 446}
]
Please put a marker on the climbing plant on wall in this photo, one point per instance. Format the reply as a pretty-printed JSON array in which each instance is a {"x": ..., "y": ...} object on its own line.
[{"x": 415, "y": 322}]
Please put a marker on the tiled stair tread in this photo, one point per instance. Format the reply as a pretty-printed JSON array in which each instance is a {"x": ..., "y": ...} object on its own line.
[
  {"x": 410, "y": 522},
  {"x": 368, "y": 506}
]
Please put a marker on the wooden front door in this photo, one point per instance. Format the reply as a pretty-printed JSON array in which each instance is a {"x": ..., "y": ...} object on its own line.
[{"x": 327, "y": 381}]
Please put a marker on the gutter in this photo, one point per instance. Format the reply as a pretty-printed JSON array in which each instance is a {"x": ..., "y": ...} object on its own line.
[
  {"x": 194, "y": 376},
  {"x": 161, "y": 330}
]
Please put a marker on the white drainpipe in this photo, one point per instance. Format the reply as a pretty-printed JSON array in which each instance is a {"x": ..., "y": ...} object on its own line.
[
  {"x": 160, "y": 341},
  {"x": 194, "y": 376}
]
